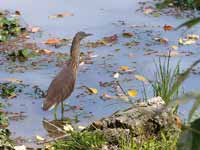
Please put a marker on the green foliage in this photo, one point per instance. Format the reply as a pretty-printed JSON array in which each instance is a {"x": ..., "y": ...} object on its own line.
[
  {"x": 21, "y": 55},
  {"x": 5, "y": 142},
  {"x": 165, "y": 141},
  {"x": 190, "y": 138},
  {"x": 9, "y": 26},
  {"x": 190, "y": 23},
  {"x": 168, "y": 81},
  {"x": 165, "y": 84},
  {"x": 183, "y": 4},
  {"x": 7, "y": 90},
  {"x": 81, "y": 141}
]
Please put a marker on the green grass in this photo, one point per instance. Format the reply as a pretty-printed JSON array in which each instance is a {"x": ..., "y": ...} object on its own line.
[
  {"x": 9, "y": 26},
  {"x": 95, "y": 141},
  {"x": 81, "y": 141},
  {"x": 165, "y": 79}
]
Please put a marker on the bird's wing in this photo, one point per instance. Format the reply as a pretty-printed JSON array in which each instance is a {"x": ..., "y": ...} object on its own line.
[{"x": 60, "y": 88}]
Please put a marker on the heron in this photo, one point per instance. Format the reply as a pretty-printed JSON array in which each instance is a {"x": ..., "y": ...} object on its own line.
[{"x": 63, "y": 84}]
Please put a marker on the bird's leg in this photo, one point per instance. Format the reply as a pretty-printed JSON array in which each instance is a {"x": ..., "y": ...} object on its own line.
[
  {"x": 62, "y": 110},
  {"x": 55, "y": 111}
]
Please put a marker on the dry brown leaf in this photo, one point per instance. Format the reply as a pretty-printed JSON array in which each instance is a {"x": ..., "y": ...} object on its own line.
[
  {"x": 61, "y": 15},
  {"x": 53, "y": 41},
  {"x": 168, "y": 27},
  {"x": 128, "y": 34}
]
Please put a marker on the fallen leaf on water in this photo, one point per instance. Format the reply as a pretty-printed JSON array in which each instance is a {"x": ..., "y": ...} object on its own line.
[
  {"x": 168, "y": 27},
  {"x": 53, "y": 41},
  {"x": 172, "y": 53},
  {"x": 61, "y": 15},
  {"x": 174, "y": 47},
  {"x": 102, "y": 42},
  {"x": 148, "y": 10},
  {"x": 161, "y": 40},
  {"x": 39, "y": 138},
  {"x": 93, "y": 90},
  {"x": 116, "y": 75},
  {"x": 44, "y": 51},
  {"x": 34, "y": 29},
  {"x": 141, "y": 78},
  {"x": 108, "y": 97},
  {"x": 124, "y": 68},
  {"x": 189, "y": 39},
  {"x": 132, "y": 93},
  {"x": 123, "y": 97},
  {"x": 13, "y": 80},
  {"x": 68, "y": 127},
  {"x": 127, "y": 34},
  {"x": 17, "y": 12}
]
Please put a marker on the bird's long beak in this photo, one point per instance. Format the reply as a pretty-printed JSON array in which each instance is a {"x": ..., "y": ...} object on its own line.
[{"x": 88, "y": 34}]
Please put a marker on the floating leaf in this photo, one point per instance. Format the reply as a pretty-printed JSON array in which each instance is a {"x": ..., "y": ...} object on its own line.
[
  {"x": 132, "y": 93},
  {"x": 61, "y": 15},
  {"x": 141, "y": 78},
  {"x": 39, "y": 138},
  {"x": 168, "y": 27},
  {"x": 174, "y": 47},
  {"x": 92, "y": 90},
  {"x": 189, "y": 39},
  {"x": 53, "y": 41},
  {"x": 127, "y": 34},
  {"x": 13, "y": 80},
  {"x": 124, "y": 68},
  {"x": 34, "y": 29}
]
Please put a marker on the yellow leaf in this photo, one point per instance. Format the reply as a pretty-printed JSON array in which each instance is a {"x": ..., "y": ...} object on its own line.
[
  {"x": 189, "y": 39},
  {"x": 132, "y": 93},
  {"x": 39, "y": 138},
  {"x": 141, "y": 78},
  {"x": 124, "y": 68},
  {"x": 93, "y": 90},
  {"x": 174, "y": 47}
]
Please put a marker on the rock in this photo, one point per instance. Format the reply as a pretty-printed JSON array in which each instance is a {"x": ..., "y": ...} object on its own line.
[{"x": 142, "y": 120}]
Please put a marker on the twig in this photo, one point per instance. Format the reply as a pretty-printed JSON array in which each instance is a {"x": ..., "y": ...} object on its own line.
[
  {"x": 59, "y": 129},
  {"x": 54, "y": 139},
  {"x": 124, "y": 92}
]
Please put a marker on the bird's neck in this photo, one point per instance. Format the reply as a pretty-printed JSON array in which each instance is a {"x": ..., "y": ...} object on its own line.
[{"x": 75, "y": 52}]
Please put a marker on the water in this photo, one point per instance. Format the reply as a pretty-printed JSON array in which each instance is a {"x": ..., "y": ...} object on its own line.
[{"x": 102, "y": 19}]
